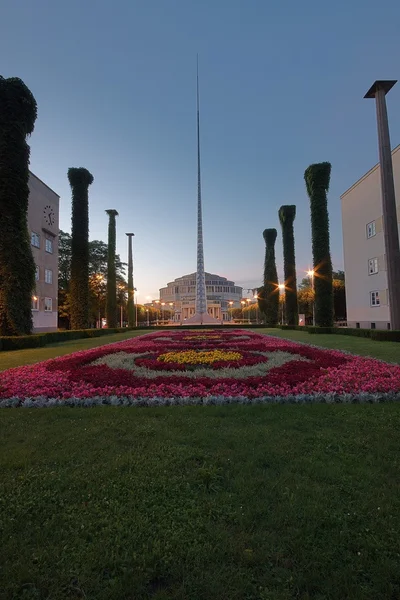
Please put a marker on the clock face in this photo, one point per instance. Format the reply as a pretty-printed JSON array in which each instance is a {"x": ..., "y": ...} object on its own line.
[{"x": 49, "y": 215}]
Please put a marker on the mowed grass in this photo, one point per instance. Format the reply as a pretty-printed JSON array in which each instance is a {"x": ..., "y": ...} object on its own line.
[
  {"x": 387, "y": 351},
  {"x": 212, "y": 503},
  {"x": 17, "y": 358}
]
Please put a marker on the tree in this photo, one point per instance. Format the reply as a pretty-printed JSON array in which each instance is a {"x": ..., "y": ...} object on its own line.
[
  {"x": 111, "y": 306},
  {"x": 287, "y": 216},
  {"x": 18, "y": 112},
  {"x": 80, "y": 179},
  {"x": 270, "y": 291},
  {"x": 98, "y": 253},
  {"x": 317, "y": 178}
]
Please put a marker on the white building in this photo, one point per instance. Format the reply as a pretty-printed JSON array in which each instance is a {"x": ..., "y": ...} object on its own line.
[
  {"x": 364, "y": 249},
  {"x": 43, "y": 211},
  {"x": 179, "y": 295}
]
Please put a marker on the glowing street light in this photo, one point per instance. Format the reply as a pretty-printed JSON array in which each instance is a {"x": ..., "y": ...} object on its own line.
[
  {"x": 243, "y": 303},
  {"x": 248, "y": 300},
  {"x": 281, "y": 287},
  {"x": 311, "y": 275},
  {"x": 230, "y": 305}
]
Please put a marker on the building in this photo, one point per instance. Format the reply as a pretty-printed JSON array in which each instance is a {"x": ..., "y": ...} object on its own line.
[
  {"x": 43, "y": 213},
  {"x": 364, "y": 249},
  {"x": 180, "y": 296}
]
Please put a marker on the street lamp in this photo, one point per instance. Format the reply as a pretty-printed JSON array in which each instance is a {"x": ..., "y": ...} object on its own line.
[
  {"x": 256, "y": 299},
  {"x": 147, "y": 314},
  {"x": 99, "y": 278},
  {"x": 157, "y": 302},
  {"x": 243, "y": 303},
  {"x": 281, "y": 287},
  {"x": 135, "y": 294},
  {"x": 248, "y": 300},
  {"x": 231, "y": 304},
  {"x": 172, "y": 314},
  {"x": 311, "y": 274},
  {"x": 390, "y": 228},
  {"x": 163, "y": 312}
]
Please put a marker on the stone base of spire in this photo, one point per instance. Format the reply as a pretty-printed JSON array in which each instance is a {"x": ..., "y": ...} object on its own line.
[{"x": 202, "y": 319}]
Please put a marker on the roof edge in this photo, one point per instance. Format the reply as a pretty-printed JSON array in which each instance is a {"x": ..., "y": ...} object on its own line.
[
  {"x": 396, "y": 149},
  {"x": 45, "y": 184}
]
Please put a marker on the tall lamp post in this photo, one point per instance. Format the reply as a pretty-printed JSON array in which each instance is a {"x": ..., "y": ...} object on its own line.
[
  {"x": 230, "y": 306},
  {"x": 172, "y": 313},
  {"x": 243, "y": 303},
  {"x": 311, "y": 275},
  {"x": 135, "y": 293},
  {"x": 131, "y": 300},
  {"x": 147, "y": 314},
  {"x": 248, "y": 300},
  {"x": 391, "y": 231},
  {"x": 281, "y": 287}
]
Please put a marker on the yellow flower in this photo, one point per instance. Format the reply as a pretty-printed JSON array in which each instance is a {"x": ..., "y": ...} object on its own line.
[
  {"x": 191, "y": 357},
  {"x": 202, "y": 337}
]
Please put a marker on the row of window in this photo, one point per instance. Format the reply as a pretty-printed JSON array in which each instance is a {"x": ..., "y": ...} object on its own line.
[
  {"x": 35, "y": 241},
  {"x": 48, "y": 304},
  {"x": 48, "y": 275}
]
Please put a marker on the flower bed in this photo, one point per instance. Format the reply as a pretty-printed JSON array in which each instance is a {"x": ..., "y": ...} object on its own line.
[{"x": 200, "y": 367}]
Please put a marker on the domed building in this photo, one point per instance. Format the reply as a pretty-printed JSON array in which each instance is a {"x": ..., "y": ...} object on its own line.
[{"x": 180, "y": 295}]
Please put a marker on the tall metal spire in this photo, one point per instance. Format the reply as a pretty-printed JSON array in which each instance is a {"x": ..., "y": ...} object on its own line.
[
  {"x": 201, "y": 316},
  {"x": 201, "y": 295}
]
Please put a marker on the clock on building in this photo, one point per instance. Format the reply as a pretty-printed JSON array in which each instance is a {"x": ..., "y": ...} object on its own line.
[{"x": 49, "y": 215}]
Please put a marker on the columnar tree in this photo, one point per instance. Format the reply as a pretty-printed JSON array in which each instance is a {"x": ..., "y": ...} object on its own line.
[
  {"x": 18, "y": 112},
  {"x": 79, "y": 179},
  {"x": 111, "y": 305},
  {"x": 317, "y": 178},
  {"x": 287, "y": 216},
  {"x": 270, "y": 291}
]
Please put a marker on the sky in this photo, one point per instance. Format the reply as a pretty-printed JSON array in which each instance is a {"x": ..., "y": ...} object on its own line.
[{"x": 281, "y": 87}]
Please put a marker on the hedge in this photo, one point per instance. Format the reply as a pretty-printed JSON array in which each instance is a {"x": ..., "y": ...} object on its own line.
[{"x": 52, "y": 337}]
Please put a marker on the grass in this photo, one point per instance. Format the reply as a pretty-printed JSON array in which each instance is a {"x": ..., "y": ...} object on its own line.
[
  {"x": 387, "y": 351},
  {"x": 200, "y": 503},
  {"x": 17, "y": 358}
]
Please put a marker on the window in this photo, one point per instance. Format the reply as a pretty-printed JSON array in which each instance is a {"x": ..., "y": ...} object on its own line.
[
  {"x": 35, "y": 303},
  {"x": 371, "y": 229},
  {"x": 372, "y": 266},
  {"x": 37, "y": 273},
  {"x": 373, "y": 325},
  {"x": 48, "y": 305},
  {"x": 49, "y": 246},
  {"x": 48, "y": 276},
  {"x": 357, "y": 325},
  {"x": 375, "y": 299},
  {"x": 35, "y": 239}
]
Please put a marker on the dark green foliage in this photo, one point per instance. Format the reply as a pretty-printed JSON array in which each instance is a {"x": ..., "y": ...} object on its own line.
[
  {"x": 385, "y": 335},
  {"x": 111, "y": 305},
  {"x": 287, "y": 215},
  {"x": 53, "y": 337},
  {"x": 317, "y": 178},
  {"x": 80, "y": 179},
  {"x": 320, "y": 330},
  {"x": 18, "y": 112},
  {"x": 270, "y": 291}
]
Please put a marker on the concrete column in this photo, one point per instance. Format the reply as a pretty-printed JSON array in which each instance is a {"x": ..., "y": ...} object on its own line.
[
  {"x": 131, "y": 308},
  {"x": 390, "y": 226}
]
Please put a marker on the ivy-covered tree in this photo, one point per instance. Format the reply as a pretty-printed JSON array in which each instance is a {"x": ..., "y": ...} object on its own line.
[
  {"x": 111, "y": 306},
  {"x": 317, "y": 178},
  {"x": 18, "y": 112},
  {"x": 80, "y": 179},
  {"x": 287, "y": 215},
  {"x": 270, "y": 291}
]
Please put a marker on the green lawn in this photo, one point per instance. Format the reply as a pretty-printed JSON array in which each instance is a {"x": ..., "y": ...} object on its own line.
[
  {"x": 387, "y": 351},
  {"x": 16, "y": 358},
  {"x": 200, "y": 503}
]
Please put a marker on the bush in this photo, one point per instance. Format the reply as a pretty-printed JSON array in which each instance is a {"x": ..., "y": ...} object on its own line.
[
  {"x": 353, "y": 331},
  {"x": 52, "y": 337},
  {"x": 288, "y": 327},
  {"x": 385, "y": 335},
  {"x": 313, "y": 329}
]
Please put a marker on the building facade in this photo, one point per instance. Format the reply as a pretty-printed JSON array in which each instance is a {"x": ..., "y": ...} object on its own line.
[
  {"x": 364, "y": 249},
  {"x": 179, "y": 296},
  {"x": 43, "y": 216}
]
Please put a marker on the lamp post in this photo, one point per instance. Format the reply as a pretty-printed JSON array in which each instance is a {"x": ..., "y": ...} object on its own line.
[
  {"x": 131, "y": 300},
  {"x": 281, "y": 287},
  {"x": 163, "y": 312},
  {"x": 248, "y": 305},
  {"x": 99, "y": 278},
  {"x": 243, "y": 304},
  {"x": 147, "y": 315},
  {"x": 311, "y": 275},
  {"x": 391, "y": 231},
  {"x": 157, "y": 302},
  {"x": 172, "y": 314},
  {"x": 231, "y": 304},
  {"x": 135, "y": 293}
]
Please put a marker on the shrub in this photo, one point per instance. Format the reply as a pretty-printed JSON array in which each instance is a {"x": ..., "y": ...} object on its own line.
[
  {"x": 312, "y": 329},
  {"x": 384, "y": 335}
]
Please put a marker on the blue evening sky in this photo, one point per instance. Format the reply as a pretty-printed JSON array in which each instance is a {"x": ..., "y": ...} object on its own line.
[{"x": 282, "y": 86}]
